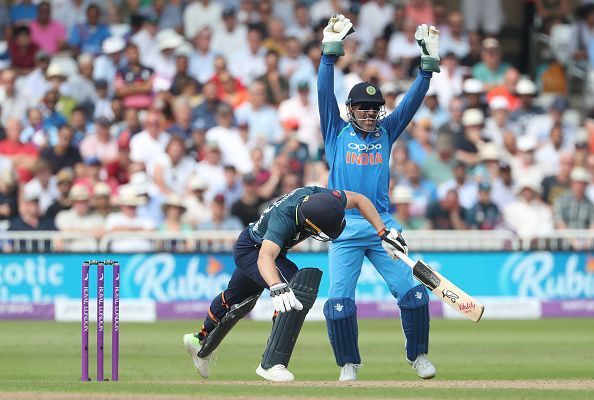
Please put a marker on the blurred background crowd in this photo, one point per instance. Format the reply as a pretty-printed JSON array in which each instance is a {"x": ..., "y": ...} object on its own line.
[{"x": 153, "y": 115}]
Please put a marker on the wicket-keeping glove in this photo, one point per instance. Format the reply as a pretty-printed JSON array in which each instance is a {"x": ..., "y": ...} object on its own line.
[
  {"x": 283, "y": 298},
  {"x": 428, "y": 38},
  {"x": 393, "y": 241},
  {"x": 337, "y": 29}
]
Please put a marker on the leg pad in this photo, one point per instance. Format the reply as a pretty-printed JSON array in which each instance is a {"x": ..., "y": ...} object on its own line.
[
  {"x": 341, "y": 321},
  {"x": 414, "y": 314}
]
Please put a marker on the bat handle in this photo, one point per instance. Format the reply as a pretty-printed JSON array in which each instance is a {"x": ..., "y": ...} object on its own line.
[{"x": 404, "y": 258}]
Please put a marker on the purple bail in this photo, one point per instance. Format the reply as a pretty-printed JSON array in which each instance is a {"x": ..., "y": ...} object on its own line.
[
  {"x": 100, "y": 318},
  {"x": 85, "y": 322}
]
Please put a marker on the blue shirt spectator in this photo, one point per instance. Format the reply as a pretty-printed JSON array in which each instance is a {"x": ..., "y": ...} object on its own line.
[
  {"x": 89, "y": 36},
  {"x": 23, "y": 12}
]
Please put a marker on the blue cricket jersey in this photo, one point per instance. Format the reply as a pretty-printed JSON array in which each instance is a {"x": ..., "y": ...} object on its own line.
[{"x": 356, "y": 163}]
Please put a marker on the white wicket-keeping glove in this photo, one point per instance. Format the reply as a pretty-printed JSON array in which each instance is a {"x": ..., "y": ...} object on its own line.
[
  {"x": 428, "y": 38},
  {"x": 392, "y": 241},
  {"x": 283, "y": 298},
  {"x": 337, "y": 29}
]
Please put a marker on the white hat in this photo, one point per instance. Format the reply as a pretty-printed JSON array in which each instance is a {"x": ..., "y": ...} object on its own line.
[
  {"x": 129, "y": 197},
  {"x": 499, "y": 103},
  {"x": 472, "y": 117},
  {"x": 489, "y": 151},
  {"x": 473, "y": 86},
  {"x": 402, "y": 194},
  {"x": 389, "y": 87},
  {"x": 113, "y": 44},
  {"x": 173, "y": 200},
  {"x": 526, "y": 143},
  {"x": 101, "y": 189},
  {"x": 79, "y": 192},
  {"x": 169, "y": 39},
  {"x": 197, "y": 183},
  {"x": 580, "y": 174},
  {"x": 140, "y": 182},
  {"x": 31, "y": 192},
  {"x": 527, "y": 181},
  {"x": 55, "y": 69},
  {"x": 525, "y": 87}
]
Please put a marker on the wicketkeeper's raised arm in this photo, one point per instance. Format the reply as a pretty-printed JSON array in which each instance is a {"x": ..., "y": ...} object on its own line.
[
  {"x": 337, "y": 29},
  {"x": 428, "y": 39}
]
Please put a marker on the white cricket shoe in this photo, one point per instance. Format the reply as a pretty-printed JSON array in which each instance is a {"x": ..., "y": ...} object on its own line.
[
  {"x": 276, "y": 373},
  {"x": 348, "y": 372},
  {"x": 423, "y": 366},
  {"x": 193, "y": 346}
]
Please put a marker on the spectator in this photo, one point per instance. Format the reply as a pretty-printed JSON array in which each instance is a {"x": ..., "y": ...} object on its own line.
[
  {"x": 210, "y": 169},
  {"x": 173, "y": 169},
  {"x": 149, "y": 144},
  {"x": 401, "y": 45},
  {"x": 44, "y": 184},
  {"x": 275, "y": 36},
  {"x": 247, "y": 208},
  {"x": 556, "y": 185},
  {"x": 101, "y": 199},
  {"x": 22, "y": 50},
  {"x": 491, "y": 69},
  {"x": 199, "y": 14},
  {"x": 48, "y": 34},
  {"x": 197, "y": 210},
  {"x": 294, "y": 59},
  {"x": 528, "y": 216},
  {"x": 432, "y": 110},
  {"x": 523, "y": 162},
  {"x": 182, "y": 80},
  {"x": 88, "y": 37},
  {"x": 248, "y": 62},
  {"x": 14, "y": 104},
  {"x": 526, "y": 90},
  {"x": 34, "y": 85},
  {"x": 540, "y": 126},
  {"x": 466, "y": 188},
  {"x": 300, "y": 109},
  {"x": 233, "y": 148},
  {"x": 487, "y": 16},
  {"x": 110, "y": 61},
  {"x": 261, "y": 117},
  {"x": 80, "y": 86},
  {"x": 103, "y": 103},
  {"x": 572, "y": 209},
  {"x": 182, "y": 114},
  {"x": 232, "y": 36},
  {"x": 453, "y": 129},
  {"x": 379, "y": 62},
  {"x": 134, "y": 82},
  {"x": 468, "y": 144},
  {"x": 423, "y": 191},
  {"x": 170, "y": 14},
  {"x": 489, "y": 157},
  {"x": 498, "y": 125},
  {"x": 146, "y": 41},
  {"x": 507, "y": 89},
  {"x": 79, "y": 218},
  {"x": 377, "y": 14},
  {"x": 402, "y": 198},
  {"x": 420, "y": 12},
  {"x": 448, "y": 83},
  {"x": 69, "y": 13},
  {"x": 173, "y": 209},
  {"x": 277, "y": 87},
  {"x": 22, "y": 155},
  {"x": 484, "y": 215},
  {"x": 30, "y": 218},
  {"x": 472, "y": 92},
  {"x": 64, "y": 180},
  {"x": 201, "y": 60},
  {"x": 446, "y": 213},
  {"x": 51, "y": 117},
  {"x": 302, "y": 29},
  {"x": 548, "y": 154},
  {"x": 454, "y": 40},
  {"x": 100, "y": 144},
  {"x": 502, "y": 190},
  {"x": 23, "y": 12},
  {"x": 420, "y": 146},
  {"x": 220, "y": 221},
  {"x": 203, "y": 115},
  {"x": 438, "y": 166},
  {"x": 63, "y": 154},
  {"x": 127, "y": 220},
  {"x": 80, "y": 125},
  {"x": 8, "y": 197}
]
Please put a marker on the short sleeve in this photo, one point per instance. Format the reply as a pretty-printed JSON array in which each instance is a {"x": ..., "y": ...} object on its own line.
[{"x": 280, "y": 230}]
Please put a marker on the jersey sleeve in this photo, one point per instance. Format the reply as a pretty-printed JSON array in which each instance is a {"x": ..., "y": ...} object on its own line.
[
  {"x": 330, "y": 120},
  {"x": 279, "y": 230},
  {"x": 398, "y": 120}
]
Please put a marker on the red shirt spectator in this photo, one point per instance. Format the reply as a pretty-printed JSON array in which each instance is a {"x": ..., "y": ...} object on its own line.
[
  {"x": 22, "y": 50},
  {"x": 23, "y": 155}
]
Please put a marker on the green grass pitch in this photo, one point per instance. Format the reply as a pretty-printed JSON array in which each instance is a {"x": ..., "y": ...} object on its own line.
[{"x": 490, "y": 360}]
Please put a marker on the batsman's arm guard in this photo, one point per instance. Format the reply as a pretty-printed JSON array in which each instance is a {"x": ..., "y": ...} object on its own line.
[
  {"x": 287, "y": 325},
  {"x": 216, "y": 336}
]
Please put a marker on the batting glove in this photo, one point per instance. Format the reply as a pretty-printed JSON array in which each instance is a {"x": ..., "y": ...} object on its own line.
[
  {"x": 337, "y": 29},
  {"x": 392, "y": 241},
  {"x": 283, "y": 298},
  {"x": 428, "y": 38}
]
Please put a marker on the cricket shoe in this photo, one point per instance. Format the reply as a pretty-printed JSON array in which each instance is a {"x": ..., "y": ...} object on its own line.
[
  {"x": 193, "y": 346},
  {"x": 348, "y": 372},
  {"x": 423, "y": 366},
  {"x": 276, "y": 373}
]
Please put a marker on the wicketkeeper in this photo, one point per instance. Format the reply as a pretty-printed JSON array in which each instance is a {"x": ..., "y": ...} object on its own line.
[
  {"x": 358, "y": 153},
  {"x": 261, "y": 261}
]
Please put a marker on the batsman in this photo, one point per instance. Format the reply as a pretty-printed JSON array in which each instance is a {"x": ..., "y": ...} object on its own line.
[
  {"x": 358, "y": 154},
  {"x": 261, "y": 261}
]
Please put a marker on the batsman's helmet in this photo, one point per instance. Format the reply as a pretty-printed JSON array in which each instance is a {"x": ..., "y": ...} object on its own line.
[{"x": 322, "y": 215}]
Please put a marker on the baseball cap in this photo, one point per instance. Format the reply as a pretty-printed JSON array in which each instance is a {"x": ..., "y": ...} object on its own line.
[
  {"x": 324, "y": 213},
  {"x": 229, "y": 12},
  {"x": 490, "y": 43}
]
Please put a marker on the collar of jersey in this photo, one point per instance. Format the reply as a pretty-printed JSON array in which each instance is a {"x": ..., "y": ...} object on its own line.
[{"x": 371, "y": 138}]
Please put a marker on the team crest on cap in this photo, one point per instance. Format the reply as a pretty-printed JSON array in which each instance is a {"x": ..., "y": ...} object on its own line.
[{"x": 370, "y": 90}]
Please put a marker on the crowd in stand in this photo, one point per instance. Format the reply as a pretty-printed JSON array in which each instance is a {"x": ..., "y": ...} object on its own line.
[{"x": 181, "y": 115}]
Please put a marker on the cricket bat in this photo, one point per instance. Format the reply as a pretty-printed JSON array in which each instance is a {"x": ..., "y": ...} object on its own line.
[{"x": 445, "y": 290}]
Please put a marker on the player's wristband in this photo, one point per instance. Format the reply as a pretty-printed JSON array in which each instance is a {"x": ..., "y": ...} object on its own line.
[{"x": 382, "y": 232}]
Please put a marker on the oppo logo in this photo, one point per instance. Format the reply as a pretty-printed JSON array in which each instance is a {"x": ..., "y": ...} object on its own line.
[{"x": 364, "y": 147}]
